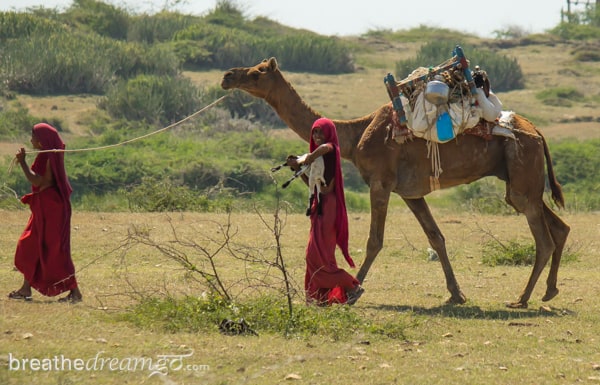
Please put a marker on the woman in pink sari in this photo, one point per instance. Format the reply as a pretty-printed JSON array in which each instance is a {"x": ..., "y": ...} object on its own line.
[
  {"x": 43, "y": 252},
  {"x": 325, "y": 283}
]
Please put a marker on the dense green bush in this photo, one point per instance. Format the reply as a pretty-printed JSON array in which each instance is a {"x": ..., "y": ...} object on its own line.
[
  {"x": 158, "y": 194},
  {"x": 515, "y": 253},
  {"x": 577, "y": 166},
  {"x": 100, "y": 17},
  {"x": 16, "y": 123},
  {"x": 228, "y": 46},
  {"x": 580, "y": 25},
  {"x": 153, "y": 99},
  {"x": 577, "y": 162},
  {"x": 42, "y": 64},
  {"x": 22, "y": 25},
  {"x": 61, "y": 61},
  {"x": 229, "y": 41},
  {"x": 484, "y": 196},
  {"x": 160, "y": 27},
  {"x": 504, "y": 73},
  {"x": 510, "y": 253}
]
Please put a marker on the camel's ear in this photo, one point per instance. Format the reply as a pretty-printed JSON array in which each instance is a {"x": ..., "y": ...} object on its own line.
[{"x": 272, "y": 64}]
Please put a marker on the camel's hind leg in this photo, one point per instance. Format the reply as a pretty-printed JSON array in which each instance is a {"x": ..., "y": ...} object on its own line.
[
  {"x": 559, "y": 231},
  {"x": 436, "y": 239},
  {"x": 544, "y": 242},
  {"x": 524, "y": 191}
]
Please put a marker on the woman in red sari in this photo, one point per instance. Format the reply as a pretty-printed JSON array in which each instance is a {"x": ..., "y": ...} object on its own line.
[
  {"x": 325, "y": 283},
  {"x": 43, "y": 252}
]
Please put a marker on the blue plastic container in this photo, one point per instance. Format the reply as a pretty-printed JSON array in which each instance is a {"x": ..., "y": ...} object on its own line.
[{"x": 444, "y": 127}]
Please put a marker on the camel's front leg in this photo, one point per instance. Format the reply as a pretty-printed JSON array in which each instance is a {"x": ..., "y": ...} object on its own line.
[
  {"x": 380, "y": 198},
  {"x": 421, "y": 211}
]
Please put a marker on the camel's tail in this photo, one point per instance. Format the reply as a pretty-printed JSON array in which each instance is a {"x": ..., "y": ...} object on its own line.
[{"x": 557, "y": 194}]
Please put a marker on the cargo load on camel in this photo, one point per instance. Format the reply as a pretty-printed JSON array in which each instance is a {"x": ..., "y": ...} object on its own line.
[{"x": 439, "y": 103}]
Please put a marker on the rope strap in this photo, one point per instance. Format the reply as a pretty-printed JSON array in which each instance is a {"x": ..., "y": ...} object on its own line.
[{"x": 12, "y": 163}]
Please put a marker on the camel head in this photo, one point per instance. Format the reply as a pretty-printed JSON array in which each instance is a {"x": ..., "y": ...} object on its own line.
[{"x": 257, "y": 81}]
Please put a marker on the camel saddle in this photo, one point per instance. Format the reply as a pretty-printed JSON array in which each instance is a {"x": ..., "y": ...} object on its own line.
[{"x": 439, "y": 103}]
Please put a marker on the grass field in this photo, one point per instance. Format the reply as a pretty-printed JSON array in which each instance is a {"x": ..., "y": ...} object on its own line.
[{"x": 479, "y": 342}]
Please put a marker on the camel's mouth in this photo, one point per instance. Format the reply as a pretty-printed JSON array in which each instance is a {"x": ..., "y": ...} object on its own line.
[{"x": 225, "y": 82}]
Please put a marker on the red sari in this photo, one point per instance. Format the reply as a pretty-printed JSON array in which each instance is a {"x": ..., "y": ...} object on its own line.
[
  {"x": 43, "y": 252},
  {"x": 325, "y": 282}
]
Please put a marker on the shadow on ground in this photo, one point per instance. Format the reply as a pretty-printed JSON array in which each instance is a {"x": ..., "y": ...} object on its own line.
[{"x": 475, "y": 312}]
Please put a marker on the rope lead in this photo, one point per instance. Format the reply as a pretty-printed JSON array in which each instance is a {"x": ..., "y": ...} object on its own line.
[{"x": 13, "y": 162}]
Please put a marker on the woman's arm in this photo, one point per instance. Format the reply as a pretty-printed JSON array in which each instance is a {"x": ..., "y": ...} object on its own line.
[
  {"x": 319, "y": 151},
  {"x": 41, "y": 181},
  {"x": 292, "y": 161}
]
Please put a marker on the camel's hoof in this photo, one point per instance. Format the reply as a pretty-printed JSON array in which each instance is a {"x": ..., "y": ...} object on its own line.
[
  {"x": 517, "y": 305},
  {"x": 457, "y": 299},
  {"x": 550, "y": 293}
]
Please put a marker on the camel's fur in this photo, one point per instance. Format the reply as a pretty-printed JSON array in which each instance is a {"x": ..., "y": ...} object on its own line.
[{"x": 405, "y": 169}]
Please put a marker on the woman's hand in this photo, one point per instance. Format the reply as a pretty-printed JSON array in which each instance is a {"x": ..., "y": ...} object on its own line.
[
  {"x": 20, "y": 155},
  {"x": 292, "y": 161}
]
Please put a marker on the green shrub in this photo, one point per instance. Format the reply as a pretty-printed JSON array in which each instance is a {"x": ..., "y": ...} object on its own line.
[
  {"x": 418, "y": 34},
  {"x": 22, "y": 25},
  {"x": 156, "y": 194},
  {"x": 561, "y": 96},
  {"x": 77, "y": 62},
  {"x": 328, "y": 55},
  {"x": 264, "y": 314},
  {"x": 484, "y": 196},
  {"x": 246, "y": 177},
  {"x": 99, "y": 17},
  {"x": 577, "y": 162},
  {"x": 228, "y": 46},
  {"x": 16, "y": 123},
  {"x": 159, "y": 27},
  {"x": 134, "y": 59},
  {"x": 225, "y": 39},
  {"x": 587, "y": 52},
  {"x": 573, "y": 31},
  {"x": 513, "y": 253},
  {"x": 152, "y": 99},
  {"x": 510, "y": 253}
]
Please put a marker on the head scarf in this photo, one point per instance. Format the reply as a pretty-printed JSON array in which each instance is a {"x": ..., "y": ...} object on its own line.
[
  {"x": 341, "y": 216},
  {"x": 50, "y": 140}
]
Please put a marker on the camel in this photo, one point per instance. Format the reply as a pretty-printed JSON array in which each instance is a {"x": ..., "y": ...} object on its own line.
[{"x": 405, "y": 170}]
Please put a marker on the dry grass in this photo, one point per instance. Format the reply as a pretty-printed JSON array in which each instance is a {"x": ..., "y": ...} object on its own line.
[{"x": 479, "y": 342}]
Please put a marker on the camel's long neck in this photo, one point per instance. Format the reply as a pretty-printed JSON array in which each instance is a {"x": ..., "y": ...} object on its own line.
[
  {"x": 292, "y": 109},
  {"x": 300, "y": 117}
]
